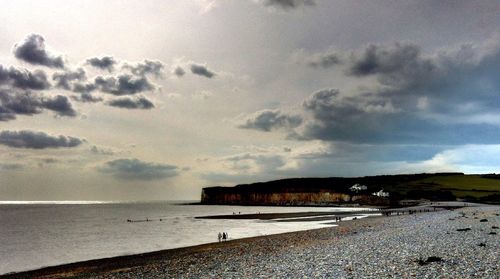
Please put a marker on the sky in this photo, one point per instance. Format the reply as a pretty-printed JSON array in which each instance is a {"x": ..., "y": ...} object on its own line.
[{"x": 154, "y": 100}]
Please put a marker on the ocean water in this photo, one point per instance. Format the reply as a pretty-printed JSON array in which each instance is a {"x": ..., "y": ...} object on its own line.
[{"x": 34, "y": 235}]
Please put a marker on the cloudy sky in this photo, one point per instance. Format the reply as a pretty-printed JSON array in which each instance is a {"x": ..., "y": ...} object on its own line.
[{"x": 150, "y": 100}]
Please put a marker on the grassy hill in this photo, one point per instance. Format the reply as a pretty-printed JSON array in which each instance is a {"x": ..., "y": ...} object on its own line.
[
  {"x": 437, "y": 186},
  {"x": 461, "y": 186}
]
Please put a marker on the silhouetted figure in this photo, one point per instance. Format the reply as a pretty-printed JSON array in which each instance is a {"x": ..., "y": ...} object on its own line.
[{"x": 224, "y": 236}]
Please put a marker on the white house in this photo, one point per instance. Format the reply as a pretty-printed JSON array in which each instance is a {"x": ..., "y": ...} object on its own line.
[
  {"x": 358, "y": 187},
  {"x": 381, "y": 193}
]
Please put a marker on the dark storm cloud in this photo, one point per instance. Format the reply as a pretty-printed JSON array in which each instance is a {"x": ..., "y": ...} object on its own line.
[
  {"x": 146, "y": 67},
  {"x": 36, "y": 80},
  {"x": 179, "y": 71},
  {"x": 123, "y": 84},
  {"x": 404, "y": 65},
  {"x": 23, "y": 79},
  {"x": 447, "y": 97},
  {"x": 36, "y": 140},
  {"x": 350, "y": 119},
  {"x": 374, "y": 120},
  {"x": 134, "y": 169},
  {"x": 201, "y": 70},
  {"x": 335, "y": 116},
  {"x": 450, "y": 73},
  {"x": 65, "y": 79},
  {"x": 103, "y": 63},
  {"x": 268, "y": 120},
  {"x": 129, "y": 103},
  {"x": 27, "y": 103},
  {"x": 60, "y": 105},
  {"x": 447, "y": 81},
  {"x": 289, "y": 4},
  {"x": 32, "y": 50}
]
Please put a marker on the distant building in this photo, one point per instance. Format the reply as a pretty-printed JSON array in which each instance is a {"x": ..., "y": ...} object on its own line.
[
  {"x": 358, "y": 187},
  {"x": 381, "y": 193}
]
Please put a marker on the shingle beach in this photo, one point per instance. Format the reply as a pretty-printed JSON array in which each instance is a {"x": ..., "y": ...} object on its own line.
[{"x": 460, "y": 243}]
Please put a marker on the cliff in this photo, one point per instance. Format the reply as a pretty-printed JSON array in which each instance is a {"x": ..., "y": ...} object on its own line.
[
  {"x": 335, "y": 190},
  {"x": 314, "y": 191},
  {"x": 301, "y": 198}
]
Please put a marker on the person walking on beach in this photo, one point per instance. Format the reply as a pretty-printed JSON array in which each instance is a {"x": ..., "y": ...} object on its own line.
[
  {"x": 224, "y": 236},
  {"x": 219, "y": 237}
]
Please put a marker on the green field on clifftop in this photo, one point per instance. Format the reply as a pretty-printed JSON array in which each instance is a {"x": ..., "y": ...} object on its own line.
[{"x": 460, "y": 185}]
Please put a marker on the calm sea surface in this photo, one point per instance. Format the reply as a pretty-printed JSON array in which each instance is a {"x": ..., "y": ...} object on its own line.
[{"x": 36, "y": 235}]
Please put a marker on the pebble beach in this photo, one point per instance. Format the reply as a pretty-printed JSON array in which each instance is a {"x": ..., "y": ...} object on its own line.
[{"x": 460, "y": 243}]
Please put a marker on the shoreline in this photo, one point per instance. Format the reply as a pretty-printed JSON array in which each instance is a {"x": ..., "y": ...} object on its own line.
[
  {"x": 212, "y": 257},
  {"x": 117, "y": 262}
]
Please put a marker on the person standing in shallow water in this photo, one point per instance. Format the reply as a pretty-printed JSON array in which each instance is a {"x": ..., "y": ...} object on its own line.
[{"x": 219, "y": 237}]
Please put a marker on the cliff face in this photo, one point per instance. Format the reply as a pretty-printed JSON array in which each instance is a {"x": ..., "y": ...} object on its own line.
[
  {"x": 314, "y": 191},
  {"x": 301, "y": 198}
]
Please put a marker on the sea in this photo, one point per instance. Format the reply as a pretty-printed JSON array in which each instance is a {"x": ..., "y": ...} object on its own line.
[{"x": 40, "y": 234}]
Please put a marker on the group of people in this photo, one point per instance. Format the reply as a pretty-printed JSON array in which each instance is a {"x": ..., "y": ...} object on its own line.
[{"x": 224, "y": 236}]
